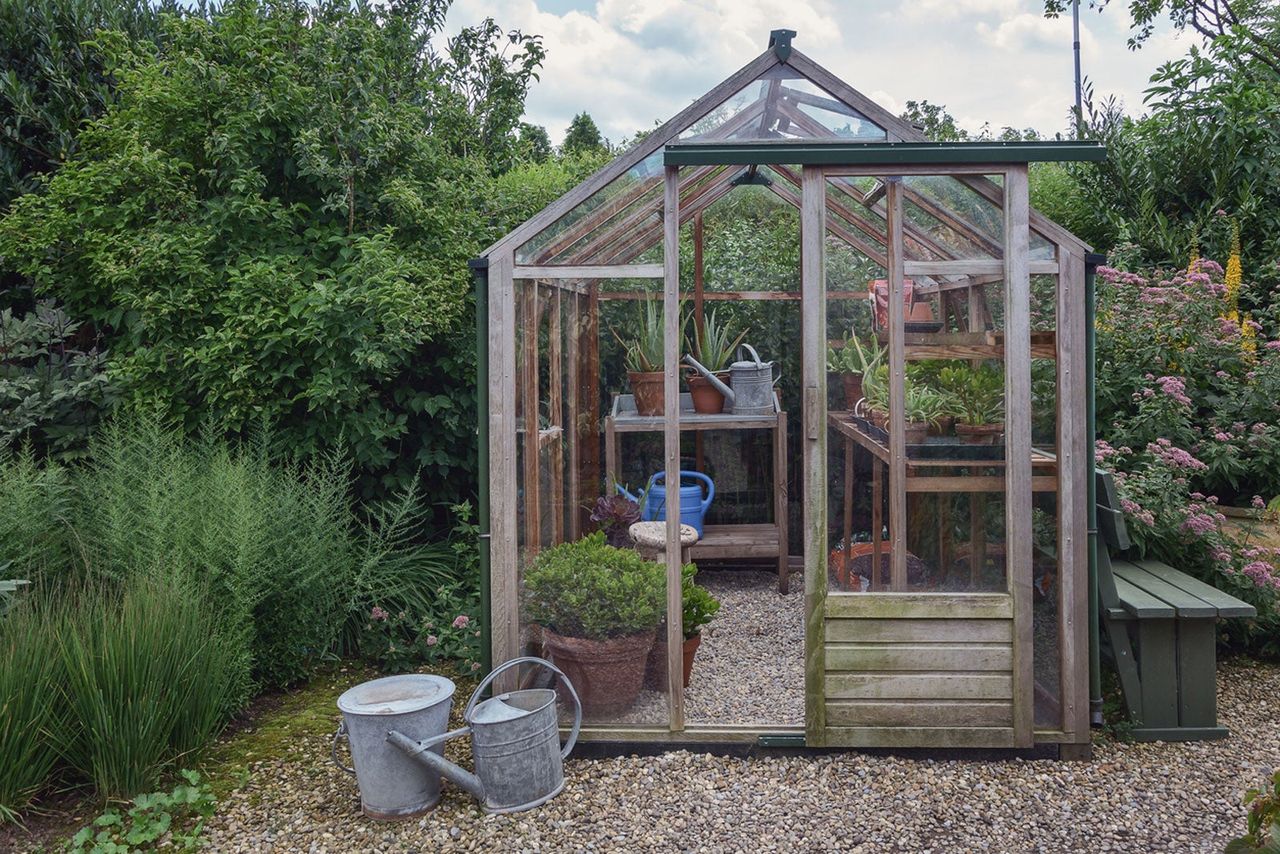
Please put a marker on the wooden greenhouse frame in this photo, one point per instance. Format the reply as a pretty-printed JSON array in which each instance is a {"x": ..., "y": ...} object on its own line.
[{"x": 864, "y": 683}]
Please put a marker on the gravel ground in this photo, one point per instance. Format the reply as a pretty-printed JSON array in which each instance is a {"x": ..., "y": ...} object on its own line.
[
  {"x": 1132, "y": 797},
  {"x": 750, "y": 666}
]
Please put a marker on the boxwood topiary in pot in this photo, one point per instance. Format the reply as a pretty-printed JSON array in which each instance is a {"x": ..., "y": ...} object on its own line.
[{"x": 598, "y": 607}]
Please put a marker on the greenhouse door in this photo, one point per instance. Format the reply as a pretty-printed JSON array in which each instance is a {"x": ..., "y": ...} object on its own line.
[{"x": 917, "y": 533}]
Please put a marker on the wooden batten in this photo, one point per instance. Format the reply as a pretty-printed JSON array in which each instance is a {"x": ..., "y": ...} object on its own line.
[
  {"x": 672, "y": 322},
  {"x": 897, "y": 377},
  {"x": 503, "y": 481},
  {"x": 1073, "y": 451}
]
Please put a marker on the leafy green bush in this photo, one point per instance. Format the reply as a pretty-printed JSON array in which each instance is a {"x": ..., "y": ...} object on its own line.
[
  {"x": 588, "y": 589},
  {"x": 175, "y": 818},
  {"x": 32, "y": 713}
]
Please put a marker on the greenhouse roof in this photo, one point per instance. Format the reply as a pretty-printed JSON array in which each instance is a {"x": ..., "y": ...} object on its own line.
[{"x": 829, "y": 153}]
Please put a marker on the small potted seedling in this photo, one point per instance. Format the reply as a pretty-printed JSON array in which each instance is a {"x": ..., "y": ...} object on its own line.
[
  {"x": 712, "y": 345},
  {"x": 699, "y": 607},
  {"x": 854, "y": 361},
  {"x": 977, "y": 401},
  {"x": 644, "y": 359}
]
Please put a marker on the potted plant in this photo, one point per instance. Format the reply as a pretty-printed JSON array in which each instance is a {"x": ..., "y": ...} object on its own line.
[
  {"x": 613, "y": 515},
  {"x": 713, "y": 345},
  {"x": 699, "y": 607},
  {"x": 598, "y": 607},
  {"x": 922, "y": 406},
  {"x": 644, "y": 359},
  {"x": 854, "y": 361},
  {"x": 977, "y": 401}
]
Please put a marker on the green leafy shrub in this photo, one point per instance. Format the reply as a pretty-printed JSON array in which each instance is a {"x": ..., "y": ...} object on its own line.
[
  {"x": 173, "y": 819},
  {"x": 32, "y": 713},
  {"x": 589, "y": 589},
  {"x": 699, "y": 606},
  {"x": 1263, "y": 835},
  {"x": 52, "y": 393}
]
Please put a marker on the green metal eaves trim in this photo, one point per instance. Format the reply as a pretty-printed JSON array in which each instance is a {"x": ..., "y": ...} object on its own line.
[{"x": 839, "y": 153}]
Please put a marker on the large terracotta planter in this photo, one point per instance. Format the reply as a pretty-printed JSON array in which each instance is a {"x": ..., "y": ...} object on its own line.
[
  {"x": 607, "y": 674},
  {"x": 852, "y": 389},
  {"x": 979, "y": 434},
  {"x": 656, "y": 668},
  {"x": 648, "y": 391},
  {"x": 707, "y": 399},
  {"x": 915, "y": 431}
]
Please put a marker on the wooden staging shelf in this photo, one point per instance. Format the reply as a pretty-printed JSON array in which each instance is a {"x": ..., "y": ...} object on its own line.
[{"x": 719, "y": 542}]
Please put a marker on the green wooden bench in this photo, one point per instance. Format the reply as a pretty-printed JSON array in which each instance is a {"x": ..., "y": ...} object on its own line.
[{"x": 1159, "y": 630}]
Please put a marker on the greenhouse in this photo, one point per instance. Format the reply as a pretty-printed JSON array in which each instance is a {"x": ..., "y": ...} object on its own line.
[{"x": 861, "y": 356}]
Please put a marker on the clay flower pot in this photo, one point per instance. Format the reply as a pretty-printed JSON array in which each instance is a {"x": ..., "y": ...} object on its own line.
[
  {"x": 648, "y": 391},
  {"x": 707, "y": 399},
  {"x": 655, "y": 669},
  {"x": 607, "y": 674},
  {"x": 979, "y": 434},
  {"x": 915, "y": 431},
  {"x": 852, "y": 389}
]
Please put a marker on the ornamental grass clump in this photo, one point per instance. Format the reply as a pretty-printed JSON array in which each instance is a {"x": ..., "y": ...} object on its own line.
[{"x": 589, "y": 589}]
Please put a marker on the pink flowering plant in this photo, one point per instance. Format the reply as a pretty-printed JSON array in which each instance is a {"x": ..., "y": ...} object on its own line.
[{"x": 1172, "y": 365}]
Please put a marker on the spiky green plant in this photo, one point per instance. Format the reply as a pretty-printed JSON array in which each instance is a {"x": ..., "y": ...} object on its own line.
[
  {"x": 713, "y": 343},
  {"x": 644, "y": 351}
]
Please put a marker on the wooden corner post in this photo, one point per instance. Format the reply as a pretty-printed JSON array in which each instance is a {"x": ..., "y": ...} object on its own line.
[
  {"x": 813, "y": 313},
  {"x": 671, "y": 439}
]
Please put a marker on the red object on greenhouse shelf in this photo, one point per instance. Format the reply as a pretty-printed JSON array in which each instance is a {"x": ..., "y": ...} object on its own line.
[{"x": 880, "y": 293}]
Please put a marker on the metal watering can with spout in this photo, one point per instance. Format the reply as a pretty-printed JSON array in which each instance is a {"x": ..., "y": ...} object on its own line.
[
  {"x": 693, "y": 506},
  {"x": 751, "y": 381},
  {"x": 515, "y": 742}
]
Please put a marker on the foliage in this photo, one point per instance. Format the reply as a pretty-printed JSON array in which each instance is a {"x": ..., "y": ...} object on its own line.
[
  {"x": 854, "y": 358},
  {"x": 1264, "y": 820},
  {"x": 34, "y": 714},
  {"x": 975, "y": 395},
  {"x": 54, "y": 76},
  {"x": 699, "y": 606},
  {"x": 1173, "y": 364},
  {"x": 52, "y": 392},
  {"x": 589, "y": 589},
  {"x": 173, "y": 819},
  {"x": 447, "y": 635},
  {"x": 713, "y": 343},
  {"x": 645, "y": 351},
  {"x": 35, "y": 511},
  {"x": 614, "y": 514},
  {"x": 274, "y": 217},
  {"x": 534, "y": 145},
  {"x": 922, "y": 404},
  {"x": 583, "y": 136},
  {"x": 938, "y": 125}
]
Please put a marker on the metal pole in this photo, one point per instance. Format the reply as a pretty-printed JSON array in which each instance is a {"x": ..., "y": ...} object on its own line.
[
  {"x": 480, "y": 270},
  {"x": 1075, "y": 47}
]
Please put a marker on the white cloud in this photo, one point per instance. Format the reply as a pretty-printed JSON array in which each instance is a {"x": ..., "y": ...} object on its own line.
[{"x": 631, "y": 62}]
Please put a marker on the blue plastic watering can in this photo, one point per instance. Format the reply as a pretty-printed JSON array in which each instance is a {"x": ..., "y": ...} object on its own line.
[{"x": 693, "y": 507}]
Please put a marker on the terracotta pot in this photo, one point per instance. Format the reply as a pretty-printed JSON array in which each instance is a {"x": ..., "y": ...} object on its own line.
[
  {"x": 979, "y": 434},
  {"x": 944, "y": 426},
  {"x": 852, "y": 389},
  {"x": 648, "y": 391},
  {"x": 607, "y": 674},
  {"x": 914, "y": 432},
  {"x": 707, "y": 399},
  {"x": 656, "y": 669}
]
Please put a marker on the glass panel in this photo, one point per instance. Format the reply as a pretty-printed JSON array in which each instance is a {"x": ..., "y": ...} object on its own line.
[
  {"x": 1046, "y": 571},
  {"x": 782, "y": 104},
  {"x": 593, "y": 611}
]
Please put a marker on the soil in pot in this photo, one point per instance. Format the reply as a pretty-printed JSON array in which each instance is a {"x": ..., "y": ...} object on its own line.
[
  {"x": 852, "y": 389},
  {"x": 707, "y": 399},
  {"x": 979, "y": 434},
  {"x": 655, "y": 669},
  {"x": 648, "y": 391},
  {"x": 607, "y": 674}
]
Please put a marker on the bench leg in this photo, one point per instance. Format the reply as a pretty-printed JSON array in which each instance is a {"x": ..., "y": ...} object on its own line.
[
  {"x": 1126, "y": 665},
  {"x": 1158, "y": 671},
  {"x": 1197, "y": 671}
]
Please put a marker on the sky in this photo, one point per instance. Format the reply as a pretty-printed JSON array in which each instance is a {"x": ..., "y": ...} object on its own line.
[{"x": 631, "y": 62}]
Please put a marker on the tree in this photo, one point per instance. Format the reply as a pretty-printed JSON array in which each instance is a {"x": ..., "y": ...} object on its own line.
[
  {"x": 535, "y": 144},
  {"x": 934, "y": 121},
  {"x": 53, "y": 78},
  {"x": 583, "y": 136},
  {"x": 272, "y": 222}
]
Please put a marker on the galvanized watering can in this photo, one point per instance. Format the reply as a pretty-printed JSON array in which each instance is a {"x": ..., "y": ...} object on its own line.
[
  {"x": 515, "y": 742},
  {"x": 693, "y": 507},
  {"x": 750, "y": 389}
]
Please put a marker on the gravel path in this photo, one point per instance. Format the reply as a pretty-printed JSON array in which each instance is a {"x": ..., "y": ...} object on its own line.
[{"x": 1132, "y": 797}]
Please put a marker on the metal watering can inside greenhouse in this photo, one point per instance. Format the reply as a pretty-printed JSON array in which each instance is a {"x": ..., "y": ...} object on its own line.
[
  {"x": 396, "y": 727},
  {"x": 751, "y": 382}
]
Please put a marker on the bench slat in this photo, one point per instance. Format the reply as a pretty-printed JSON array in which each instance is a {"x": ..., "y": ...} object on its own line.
[
  {"x": 1187, "y": 605},
  {"x": 1227, "y": 605},
  {"x": 1140, "y": 603}
]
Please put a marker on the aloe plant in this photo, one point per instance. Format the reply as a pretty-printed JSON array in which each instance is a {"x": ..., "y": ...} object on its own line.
[
  {"x": 921, "y": 404},
  {"x": 644, "y": 352},
  {"x": 713, "y": 344},
  {"x": 855, "y": 358}
]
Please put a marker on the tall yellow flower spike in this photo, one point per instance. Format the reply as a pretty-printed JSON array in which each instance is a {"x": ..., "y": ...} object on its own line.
[
  {"x": 1248, "y": 336},
  {"x": 1234, "y": 273}
]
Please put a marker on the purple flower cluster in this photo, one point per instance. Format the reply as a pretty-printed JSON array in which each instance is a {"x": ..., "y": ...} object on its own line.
[
  {"x": 1172, "y": 455},
  {"x": 1262, "y": 574},
  {"x": 1175, "y": 387}
]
